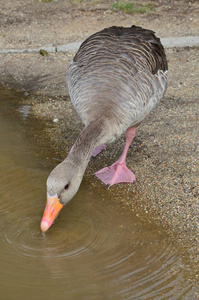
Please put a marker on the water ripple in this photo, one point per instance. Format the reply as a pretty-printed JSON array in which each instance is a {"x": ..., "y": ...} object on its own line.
[
  {"x": 110, "y": 250},
  {"x": 135, "y": 264}
]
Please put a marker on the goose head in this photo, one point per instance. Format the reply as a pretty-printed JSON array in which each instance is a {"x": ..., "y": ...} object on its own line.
[{"x": 62, "y": 184}]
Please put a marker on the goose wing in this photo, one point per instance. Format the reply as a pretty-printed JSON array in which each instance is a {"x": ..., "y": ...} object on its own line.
[{"x": 118, "y": 72}]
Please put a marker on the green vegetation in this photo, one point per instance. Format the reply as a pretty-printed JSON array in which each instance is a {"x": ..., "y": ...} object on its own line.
[
  {"x": 130, "y": 7},
  {"x": 46, "y": 1},
  {"x": 43, "y": 52},
  {"x": 75, "y": 1}
]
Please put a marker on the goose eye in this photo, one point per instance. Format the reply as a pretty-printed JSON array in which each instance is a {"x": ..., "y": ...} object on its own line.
[{"x": 66, "y": 186}]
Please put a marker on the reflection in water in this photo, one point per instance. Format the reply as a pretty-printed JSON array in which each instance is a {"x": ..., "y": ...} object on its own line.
[
  {"x": 24, "y": 110},
  {"x": 96, "y": 250}
]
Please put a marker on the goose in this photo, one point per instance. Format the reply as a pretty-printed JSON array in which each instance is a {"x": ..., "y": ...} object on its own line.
[{"x": 117, "y": 77}]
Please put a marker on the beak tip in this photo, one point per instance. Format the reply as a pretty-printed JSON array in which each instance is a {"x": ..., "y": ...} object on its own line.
[
  {"x": 44, "y": 226},
  {"x": 53, "y": 206}
]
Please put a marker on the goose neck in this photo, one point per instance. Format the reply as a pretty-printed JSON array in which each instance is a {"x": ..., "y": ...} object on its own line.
[{"x": 90, "y": 137}]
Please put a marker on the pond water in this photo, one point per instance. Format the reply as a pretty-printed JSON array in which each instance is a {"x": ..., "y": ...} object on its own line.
[{"x": 95, "y": 249}]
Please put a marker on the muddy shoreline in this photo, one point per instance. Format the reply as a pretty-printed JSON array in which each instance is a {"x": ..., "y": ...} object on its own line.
[{"x": 163, "y": 155}]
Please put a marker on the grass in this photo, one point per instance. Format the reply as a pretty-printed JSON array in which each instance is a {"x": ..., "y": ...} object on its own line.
[
  {"x": 46, "y": 1},
  {"x": 75, "y": 1},
  {"x": 130, "y": 7}
]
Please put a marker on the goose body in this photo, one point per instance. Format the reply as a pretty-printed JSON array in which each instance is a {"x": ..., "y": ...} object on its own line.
[
  {"x": 118, "y": 71},
  {"x": 116, "y": 78}
]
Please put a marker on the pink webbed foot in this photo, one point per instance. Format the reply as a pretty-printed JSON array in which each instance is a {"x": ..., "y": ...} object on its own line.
[
  {"x": 119, "y": 172},
  {"x": 116, "y": 173}
]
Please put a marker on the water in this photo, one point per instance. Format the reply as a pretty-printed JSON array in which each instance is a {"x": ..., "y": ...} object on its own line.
[{"x": 95, "y": 249}]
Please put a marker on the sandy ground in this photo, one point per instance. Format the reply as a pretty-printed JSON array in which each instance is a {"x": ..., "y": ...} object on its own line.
[{"x": 163, "y": 155}]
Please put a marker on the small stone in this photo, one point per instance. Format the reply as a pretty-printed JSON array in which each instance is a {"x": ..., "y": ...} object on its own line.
[{"x": 55, "y": 120}]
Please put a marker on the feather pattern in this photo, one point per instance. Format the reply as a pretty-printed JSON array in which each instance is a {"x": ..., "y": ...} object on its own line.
[{"x": 118, "y": 72}]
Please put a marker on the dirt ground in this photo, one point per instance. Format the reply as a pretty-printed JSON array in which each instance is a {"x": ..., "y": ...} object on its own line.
[
  {"x": 32, "y": 23},
  {"x": 163, "y": 155}
]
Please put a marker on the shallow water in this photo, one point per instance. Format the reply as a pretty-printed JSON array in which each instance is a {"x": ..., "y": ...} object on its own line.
[{"x": 95, "y": 249}]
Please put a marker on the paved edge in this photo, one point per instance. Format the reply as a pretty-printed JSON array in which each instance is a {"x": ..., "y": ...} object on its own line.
[{"x": 178, "y": 42}]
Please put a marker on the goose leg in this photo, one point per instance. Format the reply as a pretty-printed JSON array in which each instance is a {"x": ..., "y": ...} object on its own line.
[
  {"x": 118, "y": 172},
  {"x": 95, "y": 152}
]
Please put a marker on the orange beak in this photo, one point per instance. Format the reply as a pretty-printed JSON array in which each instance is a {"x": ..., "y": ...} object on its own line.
[{"x": 53, "y": 207}]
